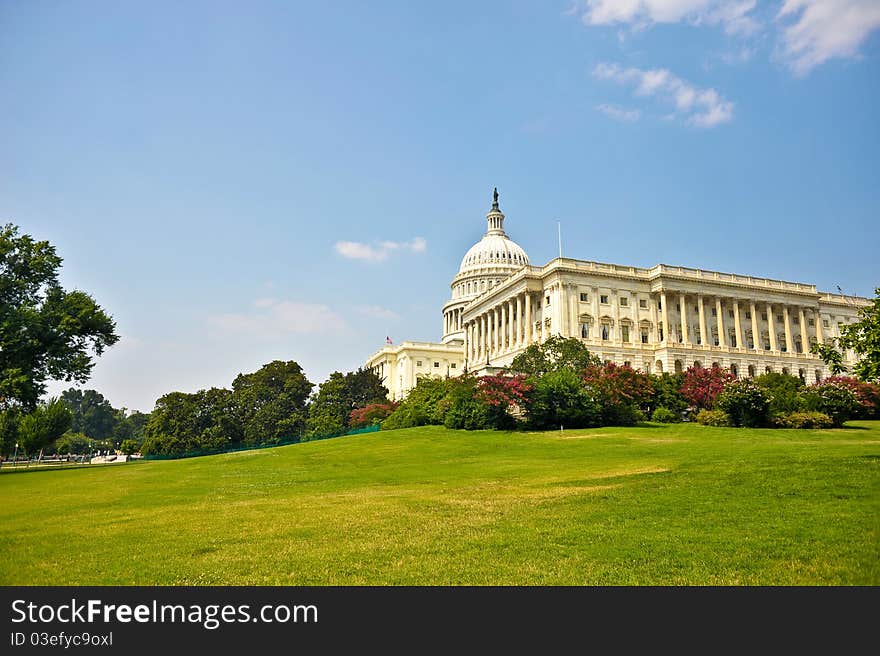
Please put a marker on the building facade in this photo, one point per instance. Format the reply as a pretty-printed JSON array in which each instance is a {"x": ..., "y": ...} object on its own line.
[{"x": 666, "y": 318}]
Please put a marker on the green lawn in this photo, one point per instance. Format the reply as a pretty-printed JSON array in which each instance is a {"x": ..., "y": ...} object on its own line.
[{"x": 673, "y": 504}]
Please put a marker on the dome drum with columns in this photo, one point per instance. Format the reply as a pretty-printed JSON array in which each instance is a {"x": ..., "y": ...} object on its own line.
[{"x": 665, "y": 318}]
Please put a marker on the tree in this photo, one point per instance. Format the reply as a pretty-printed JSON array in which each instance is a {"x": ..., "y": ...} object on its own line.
[
  {"x": 861, "y": 337},
  {"x": 9, "y": 422},
  {"x": 75, "y": 443},
  {"x": 426, "y": 403},
  {"x": 181, "y": 423},
  {"x": 555, "y": 353},
  {"x": 45, "y": 332},
  {"x": 622, "y": 391},
  {"x": 700, "y": 385},
  {"x": 44, "y": 425},
  {"x": 745, "y": 403},
  {"x": 667, "y": 393},
  {"x": 131, "y": 426},
  {"x": 784, "y": 392},
  {"x": 92, "y": 413},
  {"x": 560, "y": 399},
  {"x": 364, "y": 387},
  {"x": 271, "y": 402},
  {"x": 128, "y": 447},
  {"x": 330, "y": 408}
]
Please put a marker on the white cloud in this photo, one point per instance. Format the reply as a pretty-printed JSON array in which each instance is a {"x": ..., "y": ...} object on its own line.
[
  {"x": 277, "y": 318},
  {"x": 378, "y": 312},
  {"x": 699, "y": 107},
  {"x": 355, "y": 250},
  {"x": 734, "y": 16},
  {"x": 619, "y": 113},
  {"x": 815, "y": 31}
]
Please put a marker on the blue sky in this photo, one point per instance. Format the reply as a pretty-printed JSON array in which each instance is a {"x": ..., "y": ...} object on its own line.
[{"x": 242, "y": 182}]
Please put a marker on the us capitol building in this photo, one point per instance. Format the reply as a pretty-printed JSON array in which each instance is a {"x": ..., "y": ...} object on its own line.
[{"x": 666, "y": 318}]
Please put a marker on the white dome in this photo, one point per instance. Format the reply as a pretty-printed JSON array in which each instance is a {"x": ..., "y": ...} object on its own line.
[{"x": 496, "y": 251}]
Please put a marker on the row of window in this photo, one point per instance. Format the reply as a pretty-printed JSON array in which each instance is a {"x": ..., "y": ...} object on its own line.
[{"x": 436, "y": 364}]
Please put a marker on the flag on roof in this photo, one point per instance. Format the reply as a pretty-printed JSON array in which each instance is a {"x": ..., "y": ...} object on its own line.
[{"x": 388, "y": 340}]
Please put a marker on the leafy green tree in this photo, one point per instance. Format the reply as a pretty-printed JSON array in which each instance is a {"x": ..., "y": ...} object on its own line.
[
  {"x": 9, "y": 422},
  {"x": 92, "y": 413},
  {"x": 863, "y": 338},
  {"x": 128, "y": 447},
  {"x": 44, "y": 425},
  {"x": 45, "y": 332},
  {"x": 364, "y": 387},
  {"x": 271, "y": 402},
  {"x": 667, "y": 393},
  {"x": 131, "y": 426},
  {"x": 552, "y": 355},
  {"x": 745, "y": 403},
  {"x": 784, "y": 392},
  {"x": 466, "y": 410},
  {"x": 330, "y": 408},
  {"x": 426, "y": 403},
  {"x": 182, "y": 423},
  {"x": 75, "y": 443},
  {"x": 560, "y": 399}
]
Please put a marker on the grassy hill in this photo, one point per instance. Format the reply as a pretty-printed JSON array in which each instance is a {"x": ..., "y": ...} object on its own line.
[{"x": 674, "y": 504}]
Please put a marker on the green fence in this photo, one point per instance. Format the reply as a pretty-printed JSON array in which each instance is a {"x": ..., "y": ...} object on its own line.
[{"x": 213, "y": 452}]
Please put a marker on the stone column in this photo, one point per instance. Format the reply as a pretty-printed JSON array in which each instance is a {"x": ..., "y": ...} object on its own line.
[
  {"x": 467, "y": 345},
  {"x": 527, "y": 334},
  {"x": 655, "y": 338},
  {"x": 820, "y": 330},
  {"x": 685, "y": 338},
  {"x": 510, "y": 343},
  {"x": 573, "y": 305},
  {"x": 519, "y": 321},
  {"x": 702, "y": 311},
  {"x": 615, "y": 303},
  {"x": 786, "y": 321},
  {"x": 805, "y": 339},
  {"x": 737, "y": 324},
  {"x": 756, "y": 334},
  {"x": 664, "y": 314},
  {"x": 771, "y": 328},
  {"x": 502, "y": 332},
  {"x": 719, "y": 315}
]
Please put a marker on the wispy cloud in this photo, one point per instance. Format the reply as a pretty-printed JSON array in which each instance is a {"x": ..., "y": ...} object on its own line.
[
  {"x": 735, "y": 17},
  {"x": 814, "y": 31},
  {"x": 274, "y": 318},
  {"x": 699, "y": 107},
  {"x": 377, "y": 312},
  {"x": 619, "y": 113},
  {"x": 379, "y": 251}
]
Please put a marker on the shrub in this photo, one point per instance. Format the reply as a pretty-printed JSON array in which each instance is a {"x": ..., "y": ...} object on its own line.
[
  {"x": 505, "y": 398},
  {"x": 423, "y": 405},
  {"x": 370, "y": 414},
  {"x": 701, "y": 386},
  {"x": 560, "y": 399},
  {"x": 621, "y": 390},
  {"x": 713, "y": 418},
  {"x": 804, "y": 420},
  {"x": 745, "y": 403},
  {"x": 465, "y": 410},
  {"x": 665, "y": 416},
  {"x": 667, "y": 392},
  {"x": 833, "y": 399},
  {"x": 784, "y": 391},
  {"x": 867, "y": 394}
]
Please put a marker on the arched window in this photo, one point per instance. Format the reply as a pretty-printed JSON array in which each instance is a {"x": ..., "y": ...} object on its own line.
[
  {"x": 734, "y": 371},
  {"x": 751, "y": 371},
  {"x": 605, "y": 331},
  {"x": 678, "y": 367},
  {"x": 585, "y": 331},
  {"x": 818, "y": 374},
  {"x": 659, "y": 366}
]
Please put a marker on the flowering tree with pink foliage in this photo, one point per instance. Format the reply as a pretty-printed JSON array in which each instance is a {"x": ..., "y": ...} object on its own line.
[{"x": 701, "y": 385}]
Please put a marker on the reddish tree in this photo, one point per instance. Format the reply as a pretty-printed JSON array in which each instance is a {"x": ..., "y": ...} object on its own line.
[
  {"x": 370, "y": 414},
  {"x": 701, "y": 386},
  {"x": 504, "y": 392},
  {"x": 868, "y": 394},
  {"x": 618, "y": 385}
]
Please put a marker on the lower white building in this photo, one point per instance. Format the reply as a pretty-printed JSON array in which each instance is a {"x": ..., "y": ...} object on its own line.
[{"x": 666, "y": 318}]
